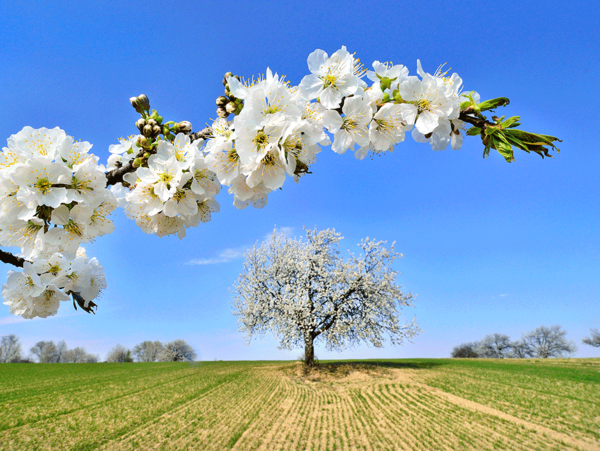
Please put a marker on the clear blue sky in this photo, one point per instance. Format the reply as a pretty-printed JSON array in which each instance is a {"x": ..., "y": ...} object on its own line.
[{"x": 488, "y": 246}]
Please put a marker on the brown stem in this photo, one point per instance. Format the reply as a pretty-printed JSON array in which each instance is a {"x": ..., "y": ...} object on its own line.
[
  {"x": 465, "y": 115},
  {"x": 7, "y": 257}
]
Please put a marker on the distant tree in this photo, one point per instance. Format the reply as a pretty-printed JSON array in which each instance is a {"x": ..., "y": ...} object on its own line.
[
  {"x": 547, "y": 342},
  {"x": 45, "y": 351},
  {"x": 78, "y": 355},
  {"x": 119, "y": 354},
  {"x": 61, "y": 350},
  {"x": 303, "y": 291},
  {"x": 465, "y": 350},
  {"x": 177, "y": 351},
  {"x": 494, "y": 346},
  {"x": 147, "y": 351},
  {"x": 593, "y": 339},
  {"x": 520, "y": 350},
  {"x": 10, "y": 349}
]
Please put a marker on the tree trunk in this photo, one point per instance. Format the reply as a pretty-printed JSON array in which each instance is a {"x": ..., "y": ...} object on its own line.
[{"x": 309, "y": 350}]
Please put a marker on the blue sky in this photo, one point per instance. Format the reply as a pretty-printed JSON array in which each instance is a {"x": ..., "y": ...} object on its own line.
[{"x": 488, "y": 246}]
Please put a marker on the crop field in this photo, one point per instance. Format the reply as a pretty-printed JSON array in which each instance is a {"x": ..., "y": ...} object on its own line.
[{"x": 412, "y": 404}]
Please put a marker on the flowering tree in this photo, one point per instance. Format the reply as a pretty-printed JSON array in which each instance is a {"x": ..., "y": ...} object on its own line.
[
  {"x": 303, "y": 291},
  {"x": 177, "y": 351},
  {"x": 56, "y": 196}
]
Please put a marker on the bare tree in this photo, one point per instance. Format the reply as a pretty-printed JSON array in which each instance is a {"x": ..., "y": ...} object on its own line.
[
  {"x": 119, "y": 354},
  {"x": 177, "y": 351},
  {"x": 593, "y": 339},
  {"x": 520, "y": 350},
  {"x": 547, "y": 342},
  {"x": 45, "y": 351},
  {"x": 465, "y": 350},
  {"x": 78, "y": 355},
  {"x": 147, "y": 351},
  {"x": 495, "y": 346},
  {"x": 304, "y": 292},
  {"x": 10, "y": 349},
  {"x": 61, "y": 350}
]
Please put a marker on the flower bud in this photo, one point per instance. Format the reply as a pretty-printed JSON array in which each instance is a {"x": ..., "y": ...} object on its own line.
[
  {"x": 231, "y": 107},
  {"x": 185, "y": 126},
  {"x": 226, "y": 76},
  {"x": 137, "y": 163},
  {"x": 147, "y": 131},
  {"x": 221, "y": 112},
  {"x": 135, "y": 103},
  {"x": 156, "y": 130},
  {"x": 144, "y": 102},
  {"x": 146, "y": 155},
  {"x": 151, "y": 122},
  {"x": 140, "y": 124},
  {"x": 222, "y": 101},
  {"x": 146, "y": 142},
  {"x": 227, "y": 92}
]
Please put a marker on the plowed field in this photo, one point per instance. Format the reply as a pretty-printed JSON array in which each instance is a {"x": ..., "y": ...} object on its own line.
[{"x": 374, "y": 405}]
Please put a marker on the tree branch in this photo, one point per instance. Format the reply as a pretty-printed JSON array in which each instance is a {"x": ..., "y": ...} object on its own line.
[
  {"x": 116, "y": 175},
  {"x": 7, "y": 257}
]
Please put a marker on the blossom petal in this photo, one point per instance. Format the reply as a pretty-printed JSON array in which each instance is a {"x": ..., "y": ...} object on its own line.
[{"x": 317, "y": 61}]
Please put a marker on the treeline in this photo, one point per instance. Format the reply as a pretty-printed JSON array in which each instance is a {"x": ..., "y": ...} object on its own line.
[
  {"x": 50, "y": 352},
  {"x": 542, "y": 343},
  {"x": 43, "y": 351},
  {"x": 153, "y": 351}
]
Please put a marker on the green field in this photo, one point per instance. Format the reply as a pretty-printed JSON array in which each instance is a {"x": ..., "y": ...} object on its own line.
[{"x": 420, "y": 404}]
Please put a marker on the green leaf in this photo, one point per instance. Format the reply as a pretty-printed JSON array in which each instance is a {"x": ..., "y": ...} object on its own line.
[
  {"x": 503, "y": 148},
  {"x": 489, "y": 131},
  {"x": 474, "y": 131},
  {"x": 508, "y": 123},
  {"x": 493, "y": 103}
]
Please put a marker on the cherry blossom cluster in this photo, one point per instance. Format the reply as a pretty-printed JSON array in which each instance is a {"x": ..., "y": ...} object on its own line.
[
  {"x": 280, "y": 127},
  {"x": 174, "y": 191},
  {"x": 53, "y": 198},
  {"x": 43, "y": 284}
]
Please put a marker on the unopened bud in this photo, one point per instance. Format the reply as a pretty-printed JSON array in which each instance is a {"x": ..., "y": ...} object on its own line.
[
  {"x": 146, "y": 155},
  {"x": 156, "y": 130},
  {"x": 222, "y": 101},
  {"x": 147, "y": 131},
  {"x": 226, "y": 76},
  {"x": 151, "y": 122},
  {"x": 135, "y": 103},
  {"x": 227, "y": 92},
  {"x": 144, "y": 102},
  {"x": 231, "y": 107},
  {"x": 137, "y": 163},
  {"x": 221, "y": 112},
  {"x": 140, "y": 124},
  {"x": 185, "y": 126},
  {"x": 146, "y": 142}
]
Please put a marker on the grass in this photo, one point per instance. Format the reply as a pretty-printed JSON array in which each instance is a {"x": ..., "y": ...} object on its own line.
[{"x": 419, "y": 404}]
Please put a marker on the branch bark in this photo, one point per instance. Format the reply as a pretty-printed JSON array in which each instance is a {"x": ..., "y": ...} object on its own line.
[{"x": 7, "y": 257}]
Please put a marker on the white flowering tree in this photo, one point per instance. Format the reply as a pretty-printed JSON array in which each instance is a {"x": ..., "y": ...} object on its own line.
[
  {"x": 55, "y": 195},
  {"x": 304, "y": 292}
]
